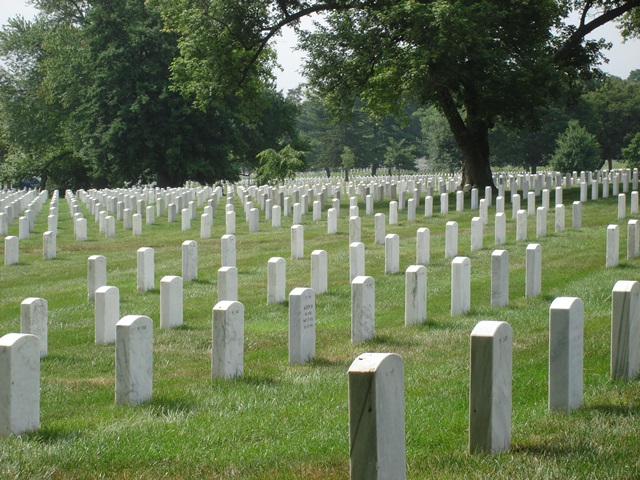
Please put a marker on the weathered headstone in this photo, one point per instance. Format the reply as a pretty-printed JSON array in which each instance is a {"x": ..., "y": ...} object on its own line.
[
  {"x": 476, "y": 233},
  {"x": 613, "y": 246},
  {"x": 227, "y": 284},
  {"x": 633, "y": 237},
  {"x": 490, "y": 387},
  {"x": 171, "y": 301},
  {"x": 428, "y": 206},
  {"x": 576, "y": 218},
  {"x": 107, "y": 314},
  {"x": 80, "y": 226},
  {"x": 355, "y": 229},
  {"x": 521, "y": 225},
  {"x": 19, "y": 384},
  {"x": 319, "y": 271},
  {"x": 189, "y": 260},
  {"x": 206, "y": 222},
  {"x": 559, "y": 218},
  {"x": 134, "y": 359},
  {"x": 423, "y": 246},
  {"x": 566, "y": 330},
  {"x": 137, "y": 224},
  {"x": 376, "y": 417},
  {"x": 393, "y": 212},
  {"x": 444, "y": 203},
  {"x": 541, "y": 222},
  {"x": 625, "y": 330},
  {"x": 23, "y": 228},
  {"x": 622, "y": 206},
  {"x": 332, "y": 221},
  {"x": 49, "y": 245},
  {"x": 254, "y": 220},
  {"x": 460, "y": 286},
  {"x": 11, "y": 250},
  {"x": 230, "y": 223},
  {"x": 96, "y": 274},
  {"x": 379, "y": 228},
  {"x": 34, "y": 318},
  {"x": 391, "y": 254},
  {"x": 499, "y": 278},
  {"x": 500, "y": 228},
  {"x": 415, "y": 295},
  {"x": 363, "y": 309},
  {"x": 276, "y": 280},
  {"x": 459, "y": 201},
  {"x": 451, "y": 240},
  {"x": 150, "y": 215},
  {"x": 297, "y": 241},
  {"x": 227, "y": 345},
  {"x": 533, "y": 281},
  {"x": 356, "y": 260},
  {"x": 228, "y": 250},
  {"x": 145, "y": 269},
  {"x": 302, "y": 325}
]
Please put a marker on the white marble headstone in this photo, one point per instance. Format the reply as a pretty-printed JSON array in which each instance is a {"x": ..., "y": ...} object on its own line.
[
  {"x": 566, "y": 331},
  {"x": 625, "y": 329},
  {"x": 490, "y": 387},
  {"x": 107, "y": 314},
  {"x": 227, "y": 355},
  {"x": 376, "y": 417},
  {"x": 415, "y": 297},
  {"x": 302, "y": 325},
  {"x": 363, "y": 309},
  {"x": 34, "y": 317},
  {"x": 276, "y": 280},
  {"x": 19, "y": 384},
  {"x": 171, "y": 301},
  {"x": 134, "y": 359}
]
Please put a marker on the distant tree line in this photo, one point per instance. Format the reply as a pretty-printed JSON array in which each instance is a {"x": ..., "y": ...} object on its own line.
[{"x": 604, "y": 121}]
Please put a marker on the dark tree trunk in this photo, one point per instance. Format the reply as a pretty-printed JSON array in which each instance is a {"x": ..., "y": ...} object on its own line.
[
  {"x": 472, "y": 137},
  {"x": 346, "y": 174},
  {"x": 374, "y": 170},
  {"x": 328, "y": 172}
]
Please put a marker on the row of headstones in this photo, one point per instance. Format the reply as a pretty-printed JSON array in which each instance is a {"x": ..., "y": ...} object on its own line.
[
  {"x": 134, "y": 221},
  {"x": 394, "y": 188},
  {"x": 376, "y": 380},
  {"x": 30, "y": 203},
  {"x": 131, "y": 223},
  {"x": 12, "y": 243}
]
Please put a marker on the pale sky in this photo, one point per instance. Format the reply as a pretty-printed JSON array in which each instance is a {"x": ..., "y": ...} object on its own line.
[{"x": 623, "y": 57}]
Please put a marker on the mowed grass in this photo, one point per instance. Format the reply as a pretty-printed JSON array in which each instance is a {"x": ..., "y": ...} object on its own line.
[{"x": 282, "y": 421}]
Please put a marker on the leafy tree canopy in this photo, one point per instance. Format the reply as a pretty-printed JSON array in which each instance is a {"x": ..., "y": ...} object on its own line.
[
  {"x": 93, "y": 78},
  {"x": 478, "y": 62},
  {"x": 577, "y": 150}
]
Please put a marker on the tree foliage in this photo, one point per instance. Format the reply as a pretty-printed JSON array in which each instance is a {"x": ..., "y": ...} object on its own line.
[
  {"x": 577, "y": 150},
  {"x": 479, "y": 62},
  {"x": 278, "y": 166},
  {"x": 94, "y": 78},
  {"x": 631, "y": 153}
]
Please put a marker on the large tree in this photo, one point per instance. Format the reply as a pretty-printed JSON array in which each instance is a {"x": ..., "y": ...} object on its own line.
[
  {"x": 87, "y": 89},
  {"x": 477, "y": 61}
]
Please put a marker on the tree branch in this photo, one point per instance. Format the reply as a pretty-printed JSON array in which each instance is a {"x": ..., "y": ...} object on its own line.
[
  {"x": 575, "y": 39},
  {"x": 289, "y": 19}
]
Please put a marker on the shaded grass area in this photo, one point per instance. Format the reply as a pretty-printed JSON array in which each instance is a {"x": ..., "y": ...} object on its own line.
[{"x": 281, "y": 421}]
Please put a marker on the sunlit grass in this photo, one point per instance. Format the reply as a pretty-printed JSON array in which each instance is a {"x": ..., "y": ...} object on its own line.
[{"x": 282, "y": 421}]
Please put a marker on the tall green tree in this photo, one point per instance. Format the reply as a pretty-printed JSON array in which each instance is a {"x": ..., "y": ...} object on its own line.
[
  {"x": 477, "y": 61},
  {"x": 100, "y": 70},
  {"x": 577, "y": 150}
]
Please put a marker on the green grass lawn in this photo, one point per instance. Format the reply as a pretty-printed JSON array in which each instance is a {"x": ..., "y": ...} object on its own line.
[{"x": 282, "y": 421}]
